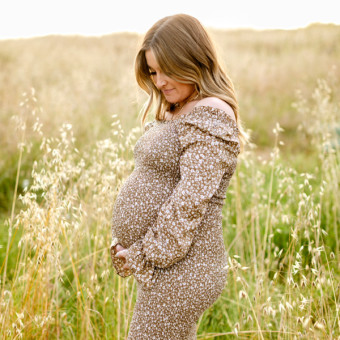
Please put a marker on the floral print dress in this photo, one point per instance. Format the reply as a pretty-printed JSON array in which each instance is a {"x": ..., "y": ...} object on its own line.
[{"x": 169, "y": 215}]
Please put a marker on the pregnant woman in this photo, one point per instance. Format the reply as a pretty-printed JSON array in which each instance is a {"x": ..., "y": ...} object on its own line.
[{"x": 167, "y": 218}]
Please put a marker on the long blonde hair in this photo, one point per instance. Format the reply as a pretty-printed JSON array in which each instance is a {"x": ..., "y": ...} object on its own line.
[{"x": 185, "y": 53}]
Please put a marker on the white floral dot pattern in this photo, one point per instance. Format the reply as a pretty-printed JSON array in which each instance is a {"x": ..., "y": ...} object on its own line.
[{"x": 169, "y": 215}]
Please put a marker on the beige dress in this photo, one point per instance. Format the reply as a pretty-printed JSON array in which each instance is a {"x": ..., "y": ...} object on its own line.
[{"x": 169, "y": 215}]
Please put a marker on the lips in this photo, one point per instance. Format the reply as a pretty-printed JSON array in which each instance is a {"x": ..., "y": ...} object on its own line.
[{"x": 166, "y": 92}]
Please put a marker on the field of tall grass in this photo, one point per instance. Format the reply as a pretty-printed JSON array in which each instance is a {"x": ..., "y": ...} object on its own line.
[{"x": 69, "y": 108}]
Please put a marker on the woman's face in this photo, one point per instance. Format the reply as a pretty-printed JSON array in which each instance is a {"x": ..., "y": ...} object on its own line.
[{"x": 173, "y": 91}]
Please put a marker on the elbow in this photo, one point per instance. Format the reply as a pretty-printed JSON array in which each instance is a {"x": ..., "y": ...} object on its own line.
[
  {"x": 165, "y": 262},
  {"x": 168, "y": 259}
]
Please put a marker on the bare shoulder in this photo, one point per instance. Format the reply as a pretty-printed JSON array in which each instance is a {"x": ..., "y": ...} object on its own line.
[{"x": 218, "y": 104}]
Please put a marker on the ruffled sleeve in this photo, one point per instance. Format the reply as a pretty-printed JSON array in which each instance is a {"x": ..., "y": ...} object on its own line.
[{"x": 209, "y": 148}]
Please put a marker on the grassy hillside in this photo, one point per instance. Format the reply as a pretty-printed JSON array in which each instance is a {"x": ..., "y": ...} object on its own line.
[
  {"x": 84, "y": 81},
  {"x": 78, "y": 77}
]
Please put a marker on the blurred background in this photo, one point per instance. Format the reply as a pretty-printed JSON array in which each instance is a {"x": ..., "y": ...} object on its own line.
[
  {"x": 79, "y": 58},
  {"x": 70, "y": 117}
]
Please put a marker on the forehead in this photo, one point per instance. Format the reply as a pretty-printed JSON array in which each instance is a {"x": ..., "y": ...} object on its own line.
[{"x": 151, "y": 60}]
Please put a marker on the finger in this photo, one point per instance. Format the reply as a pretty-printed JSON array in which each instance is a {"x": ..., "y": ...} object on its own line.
[
  {"x": 119, "y": 248},
  {"x": 121, "y": 254}
]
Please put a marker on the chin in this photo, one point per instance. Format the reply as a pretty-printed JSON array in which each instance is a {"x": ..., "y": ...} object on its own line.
[{"x": 171, "y": 101}]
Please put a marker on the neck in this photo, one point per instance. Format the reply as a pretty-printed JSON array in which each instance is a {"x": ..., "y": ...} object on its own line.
[{"x": 179, "y": 106}]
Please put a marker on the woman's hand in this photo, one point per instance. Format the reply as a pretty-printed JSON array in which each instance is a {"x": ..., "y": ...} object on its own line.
[{"x": 121, "y": 253}]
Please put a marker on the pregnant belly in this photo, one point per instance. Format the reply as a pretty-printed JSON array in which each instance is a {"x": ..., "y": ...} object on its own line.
[{"x": 137, "y": 205}]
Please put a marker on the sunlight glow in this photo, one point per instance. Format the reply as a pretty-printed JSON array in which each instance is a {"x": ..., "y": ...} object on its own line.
[{"x": 22, "y": 18}]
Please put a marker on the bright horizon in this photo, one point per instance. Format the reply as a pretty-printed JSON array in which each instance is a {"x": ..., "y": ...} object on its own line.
[{"x": 24, "y": 19}]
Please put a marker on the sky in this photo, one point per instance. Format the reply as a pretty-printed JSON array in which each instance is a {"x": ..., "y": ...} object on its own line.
[{"x": 29, "y": 18}]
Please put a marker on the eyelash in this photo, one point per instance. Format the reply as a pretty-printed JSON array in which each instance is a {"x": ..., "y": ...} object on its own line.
[{"x": 152, "y": 73}]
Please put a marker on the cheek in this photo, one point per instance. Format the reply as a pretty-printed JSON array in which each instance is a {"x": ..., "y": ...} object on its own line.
[{"x": 188, "y": 89}]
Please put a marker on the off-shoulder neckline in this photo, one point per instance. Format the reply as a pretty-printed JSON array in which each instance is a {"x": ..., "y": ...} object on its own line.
[{"x": 194, "y": 109}]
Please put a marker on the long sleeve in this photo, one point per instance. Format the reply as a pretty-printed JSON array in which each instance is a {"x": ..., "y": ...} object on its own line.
[{"x": 209, "y": 147}]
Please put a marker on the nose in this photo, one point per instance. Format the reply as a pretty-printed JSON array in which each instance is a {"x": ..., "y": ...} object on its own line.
[{"x": 161, "y": 80}]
